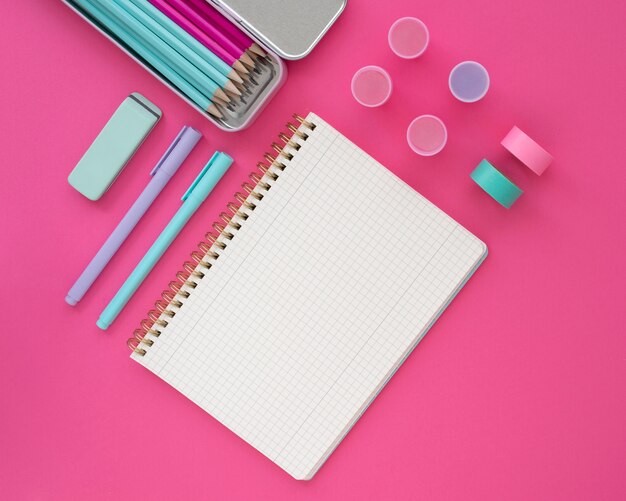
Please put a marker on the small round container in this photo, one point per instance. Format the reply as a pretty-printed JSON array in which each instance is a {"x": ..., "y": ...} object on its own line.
[
  {"x": 469, "y": 81},
  {"x": 427, "y": 135},
  {"x": 408, "y": 37},
  {"x": 371, "y": 86}
]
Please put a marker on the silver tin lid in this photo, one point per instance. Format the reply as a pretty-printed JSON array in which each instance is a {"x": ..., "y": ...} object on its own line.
[{"x": 290, "y": 28}]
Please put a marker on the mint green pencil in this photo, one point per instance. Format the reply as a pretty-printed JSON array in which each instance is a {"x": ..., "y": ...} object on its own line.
[
  {"x": 138, "y": 30},
  {"x": 153, "y": 59},
  {"x": 185, "y": 38},
  {"x": 159, "y": 31}
]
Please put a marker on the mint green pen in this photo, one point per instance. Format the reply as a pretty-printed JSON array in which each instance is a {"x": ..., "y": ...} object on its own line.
[{"x": 192, "y": 199}]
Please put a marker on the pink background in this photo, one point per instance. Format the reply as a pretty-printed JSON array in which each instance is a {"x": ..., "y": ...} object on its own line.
[{"x": 518, "y": 392}]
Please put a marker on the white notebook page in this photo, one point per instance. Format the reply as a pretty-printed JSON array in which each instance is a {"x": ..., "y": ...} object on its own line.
[{"x": 313, "y": 305}]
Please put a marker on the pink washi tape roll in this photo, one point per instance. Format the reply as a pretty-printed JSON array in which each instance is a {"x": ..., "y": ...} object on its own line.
[{"x": 527, "y": 151}]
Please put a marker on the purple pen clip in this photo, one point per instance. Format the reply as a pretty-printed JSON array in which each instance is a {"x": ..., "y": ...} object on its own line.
[{"x": 184, "y": 131}]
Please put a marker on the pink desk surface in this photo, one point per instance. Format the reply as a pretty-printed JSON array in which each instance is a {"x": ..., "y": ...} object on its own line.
[{"x": 517, "y": 393}]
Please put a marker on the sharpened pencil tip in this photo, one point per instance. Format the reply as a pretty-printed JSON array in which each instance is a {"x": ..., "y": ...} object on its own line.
[
  {"x": 232, "y": 88},
  {"x": 218, "y": 102},
  {"x": 240, "y": 67},
  {"x": 234, "y": 76},
  {"x": 257, "y": 50},
  {"x": 246, "y": 59},
  {"x": 222, "y": 95},
  {"x": 212, "y": 109}
]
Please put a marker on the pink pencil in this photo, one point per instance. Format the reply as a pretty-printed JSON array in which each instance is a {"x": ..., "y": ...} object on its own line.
[
  {"x": 211, "y": 31},
  {"x": 238, "y": 37},
  {"x": 198, "y": 34}
]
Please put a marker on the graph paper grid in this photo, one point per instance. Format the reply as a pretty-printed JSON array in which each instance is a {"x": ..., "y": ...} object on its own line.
[{"x": 329, "y": 284}]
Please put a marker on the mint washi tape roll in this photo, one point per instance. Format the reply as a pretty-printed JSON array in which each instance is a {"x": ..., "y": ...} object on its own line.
[{"x": 497, "y": 185}]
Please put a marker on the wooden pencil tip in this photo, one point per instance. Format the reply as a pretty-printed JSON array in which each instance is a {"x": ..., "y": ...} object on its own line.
[
  {"x": 246, "y": 59},
  {"x": 232, "y": 88},
  {"x": 240, "y": 67},
  {"x": 222, "y": 95},
  {"x": 257, "y": 50},
  {"x": 240, "y": 89},
  {"x": 219, "y": 102},
  {"x": 233, "y": 75},
  {"x": 212, "y": 109},
  {"x": 255, "y": 57}
]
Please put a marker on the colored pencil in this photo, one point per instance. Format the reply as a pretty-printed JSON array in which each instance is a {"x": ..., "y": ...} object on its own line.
[
  {"x": 189, "y": 20},
  {"x": 185, "y": 38},
  {"x": 197, "y": 62},
  {"x": 238, "y": 37},
  {"x": 182, "y": 65},
  {"x": 150, "y": 56},
  {"x": 198, "y": 34},
  {"x": 211, "y": 31}
]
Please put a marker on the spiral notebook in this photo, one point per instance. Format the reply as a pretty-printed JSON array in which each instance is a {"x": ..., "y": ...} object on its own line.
[{"x": 306, "y": 297}]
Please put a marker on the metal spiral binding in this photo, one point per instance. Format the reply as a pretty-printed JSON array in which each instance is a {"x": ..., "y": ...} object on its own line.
[{"x": 215, "y": 241}]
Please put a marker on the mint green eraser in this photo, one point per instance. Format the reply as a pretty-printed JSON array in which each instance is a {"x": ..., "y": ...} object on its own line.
[{"x": 114, "y": 147}]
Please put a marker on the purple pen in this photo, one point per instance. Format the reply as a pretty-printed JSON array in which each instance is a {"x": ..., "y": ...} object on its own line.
[{"x": 173, "y": 158}]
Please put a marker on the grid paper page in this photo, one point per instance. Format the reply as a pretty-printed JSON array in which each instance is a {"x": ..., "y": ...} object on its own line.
[{"x": 323, "y": 292}]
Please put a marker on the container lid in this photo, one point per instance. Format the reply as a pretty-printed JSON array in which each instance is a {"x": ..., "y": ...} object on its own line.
[{"x": 290, "y": 28}]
